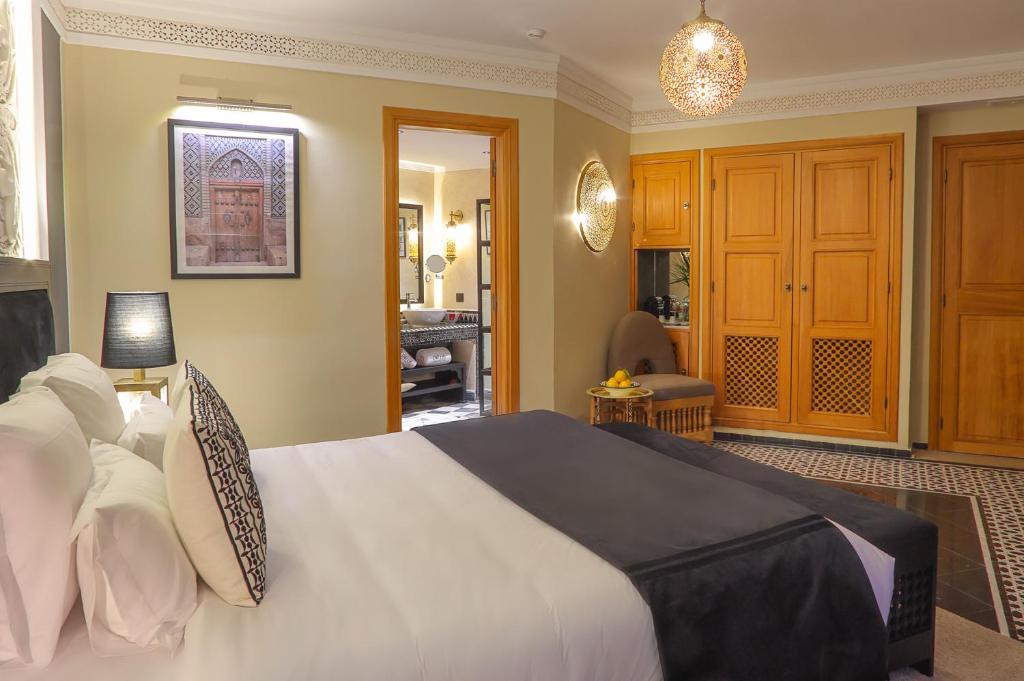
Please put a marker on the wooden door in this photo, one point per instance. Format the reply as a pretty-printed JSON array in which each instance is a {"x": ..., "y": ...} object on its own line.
[
  {"x": 751, "y": 286},
  {"x": 664, "y": 206},
  {"x": 237, "y": 224},
  {"x": 981, "y": 376},
  {"x": 845, "y": 200}
]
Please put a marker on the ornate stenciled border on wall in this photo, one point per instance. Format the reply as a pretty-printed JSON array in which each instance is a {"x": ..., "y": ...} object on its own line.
[
  {"x": 911, "y": 92},
  {"x": 547, "y": 75}
]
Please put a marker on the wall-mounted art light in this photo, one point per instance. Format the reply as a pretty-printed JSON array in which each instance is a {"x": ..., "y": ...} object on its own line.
[
  {"x": 454, "y": 219},
  {"x": 596, "y": 207},
  {"x": 232, "y": 104},
  {"x": 704, "y": 67}
]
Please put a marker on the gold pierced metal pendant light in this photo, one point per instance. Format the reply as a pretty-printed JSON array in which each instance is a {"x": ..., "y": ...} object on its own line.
[{"x": 704, "y": 67}]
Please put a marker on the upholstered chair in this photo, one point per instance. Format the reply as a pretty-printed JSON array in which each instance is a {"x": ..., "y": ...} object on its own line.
[{"x": 682, "y": 404}]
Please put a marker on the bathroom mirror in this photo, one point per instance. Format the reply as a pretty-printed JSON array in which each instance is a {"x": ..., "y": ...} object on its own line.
[
  {"x": 410, "y": 249},
  {"x": 436, "y": 264}
]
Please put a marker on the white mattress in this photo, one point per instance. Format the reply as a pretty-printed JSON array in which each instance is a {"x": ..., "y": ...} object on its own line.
[{"x": 389, "y": 561}]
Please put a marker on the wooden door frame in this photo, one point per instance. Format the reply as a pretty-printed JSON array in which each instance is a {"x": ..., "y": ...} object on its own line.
[
  {"x": 939, "y": 147},
  {"x": 891, "y": 432},
  {"x": 504, "y": 234},
  {"x": 694, "y": 365}
]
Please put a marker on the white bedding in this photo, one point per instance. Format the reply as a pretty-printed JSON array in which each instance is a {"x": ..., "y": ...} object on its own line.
[{"x": 389, "y": 561}]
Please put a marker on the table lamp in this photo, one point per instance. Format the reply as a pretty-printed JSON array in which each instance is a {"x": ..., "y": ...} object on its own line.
[{"x": 137, "y": 335}]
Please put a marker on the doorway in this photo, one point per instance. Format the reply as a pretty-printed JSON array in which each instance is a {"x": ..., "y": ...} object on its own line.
[
  {"x": 977, "y": 362},
  {"x": 451, "y": 281}
]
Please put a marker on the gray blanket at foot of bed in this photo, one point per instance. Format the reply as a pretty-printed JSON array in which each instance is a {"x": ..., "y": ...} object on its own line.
[{"x": 742, "y": 584}]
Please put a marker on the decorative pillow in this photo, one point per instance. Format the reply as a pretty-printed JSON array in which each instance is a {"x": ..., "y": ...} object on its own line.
[
  {"x": 138, "y": 586},
  {"x": 45, "y": 471},
  {"x": 146, "y": 432},
  {"x": 432, "y": 357},
  {"x": 86, "y": 390},
  {"x": 213, "y": 497},
  {"x": 178, "y": 388}
]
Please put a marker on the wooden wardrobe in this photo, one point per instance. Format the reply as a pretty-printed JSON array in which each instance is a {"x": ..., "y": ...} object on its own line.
[{"x": 803, "y": 272}]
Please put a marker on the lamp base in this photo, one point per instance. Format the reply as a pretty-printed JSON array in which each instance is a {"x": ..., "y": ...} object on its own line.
[
  {"x": 139, "y": 375},
  {"x": 154, "y": 385}
]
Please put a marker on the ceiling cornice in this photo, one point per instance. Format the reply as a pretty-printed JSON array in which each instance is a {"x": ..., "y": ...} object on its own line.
[
  {"x": 947, "y": 82},
  {"x": 425, "y": 60}
]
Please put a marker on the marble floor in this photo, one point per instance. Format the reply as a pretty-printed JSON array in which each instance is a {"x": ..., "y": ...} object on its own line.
[{"x": 979, "y": 511}]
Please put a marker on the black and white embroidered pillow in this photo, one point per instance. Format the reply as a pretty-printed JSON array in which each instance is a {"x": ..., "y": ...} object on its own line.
[{"x": 213, "y": 496}]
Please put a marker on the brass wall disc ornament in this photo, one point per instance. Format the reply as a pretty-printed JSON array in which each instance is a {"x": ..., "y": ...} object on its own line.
[{"x": 596, "y": 206}]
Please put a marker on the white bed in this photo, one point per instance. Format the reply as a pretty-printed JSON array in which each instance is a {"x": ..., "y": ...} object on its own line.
[{"x": 384, "y": 563}]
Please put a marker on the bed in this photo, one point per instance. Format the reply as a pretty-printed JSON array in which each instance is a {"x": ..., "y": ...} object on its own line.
[{"x": 534, "y": 547}]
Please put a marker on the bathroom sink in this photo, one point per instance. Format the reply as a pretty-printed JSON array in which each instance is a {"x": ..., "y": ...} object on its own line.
[{"x": 425, "y": 316}]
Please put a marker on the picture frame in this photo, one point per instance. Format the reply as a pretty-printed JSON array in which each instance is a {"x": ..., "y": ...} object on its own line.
[{"x": 234, "y": 200}]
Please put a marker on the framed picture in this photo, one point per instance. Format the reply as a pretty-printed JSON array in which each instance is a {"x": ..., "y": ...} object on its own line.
[
  {"x": 401, "y": 237},
  {"x": 234, "y": 201}
]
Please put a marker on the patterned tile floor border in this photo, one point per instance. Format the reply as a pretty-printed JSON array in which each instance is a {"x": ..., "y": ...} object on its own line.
[{"x": 998, "y": 492}]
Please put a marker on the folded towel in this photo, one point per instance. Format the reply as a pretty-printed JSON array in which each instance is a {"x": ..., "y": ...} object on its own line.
[{"x": 432, "y": 357}]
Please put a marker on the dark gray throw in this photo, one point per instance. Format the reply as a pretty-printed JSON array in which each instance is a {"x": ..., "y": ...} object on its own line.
[{"x": 743, "y": 584}]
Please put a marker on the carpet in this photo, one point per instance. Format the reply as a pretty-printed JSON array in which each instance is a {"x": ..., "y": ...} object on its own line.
[{"x": 965, "y": 651}]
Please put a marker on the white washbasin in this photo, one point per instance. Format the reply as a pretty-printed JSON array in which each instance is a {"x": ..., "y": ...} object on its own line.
[{"x": 425, "y": 316}]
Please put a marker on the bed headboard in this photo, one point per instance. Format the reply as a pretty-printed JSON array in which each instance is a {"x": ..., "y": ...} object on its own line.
[{"x": 27, "y": 338}]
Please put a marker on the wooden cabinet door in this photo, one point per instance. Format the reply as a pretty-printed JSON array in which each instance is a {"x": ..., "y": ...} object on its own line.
[
  {"x": 751, "y": 286},
  {"x": 664, "y": 203},
  {"x": 981, "y": 386},
  {"x": 843, "y": 323}
]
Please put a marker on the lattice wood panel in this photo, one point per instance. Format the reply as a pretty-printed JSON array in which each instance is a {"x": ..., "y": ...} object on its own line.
[
  {"x": 841, "y": 376},
  {"x": 752, "y": 371}
]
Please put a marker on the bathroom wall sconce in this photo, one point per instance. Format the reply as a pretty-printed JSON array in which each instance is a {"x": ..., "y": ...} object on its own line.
[
  {"x": 232, "y": 104},
  {"x": 455, "y": 217},
  {"x": 413, "y": 244}
]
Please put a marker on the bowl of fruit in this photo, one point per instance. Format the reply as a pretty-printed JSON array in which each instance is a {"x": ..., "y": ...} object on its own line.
[{"x": 620, "y": 385}]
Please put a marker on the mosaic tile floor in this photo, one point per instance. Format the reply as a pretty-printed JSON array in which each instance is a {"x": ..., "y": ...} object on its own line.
[
  {"x": 979, "y": 511},
  {"x": 429, "y": 410}
]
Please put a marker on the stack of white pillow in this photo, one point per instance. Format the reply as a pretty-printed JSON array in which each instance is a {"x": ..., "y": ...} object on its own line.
[{"x": 83, "y": 509}]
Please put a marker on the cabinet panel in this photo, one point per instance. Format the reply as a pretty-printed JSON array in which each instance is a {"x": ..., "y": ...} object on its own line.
[
  {"x": 843, "y": 329},
  {"x": 663, "y": 203},
  {"x": 751, "y": 275},
  {"x": 803, "y": 300}
]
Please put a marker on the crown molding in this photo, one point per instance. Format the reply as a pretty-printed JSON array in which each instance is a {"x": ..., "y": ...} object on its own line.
[
  {"x": 947, "y": 82},
  {"x": 416, "y": 58}
]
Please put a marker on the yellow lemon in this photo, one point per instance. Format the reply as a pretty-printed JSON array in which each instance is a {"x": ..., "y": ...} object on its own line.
[{"x": 621, "y": 375}]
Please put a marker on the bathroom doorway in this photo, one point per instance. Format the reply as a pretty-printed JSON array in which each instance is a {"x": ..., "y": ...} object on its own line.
[{"x": 451, "y": 266}]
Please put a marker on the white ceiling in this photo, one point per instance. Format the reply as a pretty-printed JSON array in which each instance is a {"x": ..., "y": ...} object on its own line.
[
  {"x": 622, "y": 41},
  {"x": 452, "y": 151}
]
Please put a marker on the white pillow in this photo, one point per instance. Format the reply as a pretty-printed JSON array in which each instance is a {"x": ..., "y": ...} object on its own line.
[
  {"x": 213, "y": 496},
  {"x": 45, "y": 470},
  {"x": 138, "y": 586},
  {"x": 178, "y": 388},
  {"x": 147, "y": 430},
  {"x": 86, "y": 390}
]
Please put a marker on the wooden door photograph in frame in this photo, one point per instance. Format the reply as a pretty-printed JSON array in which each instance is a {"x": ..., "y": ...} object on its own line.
[{"x": 234, "y": 200}]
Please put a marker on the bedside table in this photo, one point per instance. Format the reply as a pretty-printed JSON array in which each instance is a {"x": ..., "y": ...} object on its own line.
[{"x": 637, "y": 406}]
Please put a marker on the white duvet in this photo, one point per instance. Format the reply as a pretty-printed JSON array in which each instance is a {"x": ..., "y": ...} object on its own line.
[{"x": 388, "y": 561}]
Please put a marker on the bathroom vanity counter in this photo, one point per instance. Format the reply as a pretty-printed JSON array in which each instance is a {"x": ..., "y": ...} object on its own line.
[{"x": 438, "y": 334}]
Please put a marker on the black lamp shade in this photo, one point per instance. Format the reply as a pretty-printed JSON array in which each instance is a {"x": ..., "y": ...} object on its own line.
[{"x": 137, "y": 331}]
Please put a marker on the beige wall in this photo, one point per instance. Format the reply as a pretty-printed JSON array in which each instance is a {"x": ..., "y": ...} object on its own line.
[
  {"x": 931, "y": 124},
  {"x": 823, "y": 127},
  {"x": 591, "y": 289},
  {"x": 300, "y": 359},
  {"x": 460, "y": 190}
]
